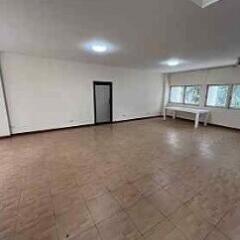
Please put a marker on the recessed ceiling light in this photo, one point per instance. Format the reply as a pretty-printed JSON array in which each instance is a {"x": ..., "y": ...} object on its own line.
[
  {"x": 172, "y": 62},
  {"x": 100, "y": 47}
]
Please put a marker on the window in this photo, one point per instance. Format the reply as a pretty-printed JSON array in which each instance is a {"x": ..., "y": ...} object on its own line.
[
  {"x": 192, "y": 95},
  {"x": 185, "y": 94},
  {"x": 176, "y": 94},
  {"x": 235, "y": 100},
  {"x": 217, "y": 95}
]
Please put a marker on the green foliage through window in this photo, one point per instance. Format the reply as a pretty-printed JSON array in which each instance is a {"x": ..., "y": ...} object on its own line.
[{"x": 192, "y": 95}]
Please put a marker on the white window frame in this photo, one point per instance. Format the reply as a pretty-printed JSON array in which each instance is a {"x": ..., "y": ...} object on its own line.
[
  {"x": 192, "y": 104},
  {"x": 229, "y": 93},
  {"x": 231, "y": 96},
  {"x": 169, "y": 98},
  {"x": 184, "y": 94}
]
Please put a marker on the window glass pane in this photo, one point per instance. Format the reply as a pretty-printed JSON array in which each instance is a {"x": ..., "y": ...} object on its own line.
[
  {"x": 217, "y": 95},
  {"x": 235, "y": 101},
  {"x": 192, "y": 95},
  {"x": 176, "y": 94}
]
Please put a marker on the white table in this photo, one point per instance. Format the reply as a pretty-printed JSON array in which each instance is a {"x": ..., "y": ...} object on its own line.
[{"x": 195, "y": 111}]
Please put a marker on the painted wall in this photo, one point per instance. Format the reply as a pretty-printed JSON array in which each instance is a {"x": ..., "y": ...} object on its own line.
[
  {"x": 47, "y": 93},
  {"x": 220, "y": 116},
  {"x": 4, "y": 126}
]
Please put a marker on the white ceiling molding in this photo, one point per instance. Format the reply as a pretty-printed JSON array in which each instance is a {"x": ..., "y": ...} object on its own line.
[{"x": 204, "y": 3}]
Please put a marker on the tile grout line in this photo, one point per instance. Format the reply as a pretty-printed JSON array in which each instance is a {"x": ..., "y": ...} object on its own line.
[
  {"x": 17, "y": 213},
  {"x": 54, "y": 211}
]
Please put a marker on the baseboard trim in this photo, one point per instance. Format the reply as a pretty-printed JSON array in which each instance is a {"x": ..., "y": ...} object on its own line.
[
  {"x": 136, "y": 119},
  {"x": 78, "y": 126},
  {"x": 5, "y": 137},
  {"x": 211, "y": 124},
  {"x": 51, "y": 130},
  {"x": 114, "y": 122}
]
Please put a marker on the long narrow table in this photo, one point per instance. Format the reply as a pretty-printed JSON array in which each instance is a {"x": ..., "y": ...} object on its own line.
[{"x": 195, "y": 111}]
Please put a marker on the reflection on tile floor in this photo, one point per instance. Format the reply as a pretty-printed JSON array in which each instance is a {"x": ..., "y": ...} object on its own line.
[{"x": 140, "y": 180}]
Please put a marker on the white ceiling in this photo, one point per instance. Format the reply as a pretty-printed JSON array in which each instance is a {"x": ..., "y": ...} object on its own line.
[{"x": 145, "y": 32}]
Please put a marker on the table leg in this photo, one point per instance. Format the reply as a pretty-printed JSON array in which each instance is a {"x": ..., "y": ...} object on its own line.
[
  {"x": 197, "y": 120},
  {"x": 174, "y": 115},
  {"x": 164, "y": 113},
  {"x": 206, "y": 119}
]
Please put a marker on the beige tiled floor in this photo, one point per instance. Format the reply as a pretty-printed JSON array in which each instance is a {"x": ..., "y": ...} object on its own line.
[{"x": 140, "y": 180}]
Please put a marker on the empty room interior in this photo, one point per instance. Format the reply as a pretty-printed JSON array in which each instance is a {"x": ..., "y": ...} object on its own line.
[{"x": 119, "y": 120}]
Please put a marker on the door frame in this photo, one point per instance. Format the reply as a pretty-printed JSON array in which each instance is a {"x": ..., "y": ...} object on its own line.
[{"x": 111, "y": 100}]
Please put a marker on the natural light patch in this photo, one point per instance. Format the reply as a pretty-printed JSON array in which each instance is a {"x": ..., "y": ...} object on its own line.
[{"x": 204, "y": 3}]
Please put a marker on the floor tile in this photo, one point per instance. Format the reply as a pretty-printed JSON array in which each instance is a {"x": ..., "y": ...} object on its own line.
[
  {"x": 31, "y": 196},
  {"x": 191, "y": 225},
  {"x": 57, "y": 185},
  {"x": 115, "y": 180},
  {"x": 30, "y": 215},
  {"x": 146, "y": 185},
  {"x": 9, "y": 201},
  {"x": 211, "y": 205},
  {"x": 230, "y": 225},
  {"x": 36, "y": 223},
  {"x": 103, "y": 207},
  {"x": 164, "y": 201},
  {"x": 86, "y": 177},
  {"x": 175, "y": 235},
  {"x": 90, "y": 234},
  {"x": 65, "y": 201},
  {"x": 181, "y": 191},
  {"x": 216, "y": 235},
  {"x": 62, "y": 185},
  {"x": 7, "y": 227},
  {"x": 93, "y": 190},
  {"x": 118, "y": 227},
  {"x": 37, "y": 232},
  {"x": 144, "y": 215},
  {"x": 161, "y": 231},
  {"x": 127, "y": 195},
  {"x": 163, "y": 179},
  {"x": 74, "y": 222}
]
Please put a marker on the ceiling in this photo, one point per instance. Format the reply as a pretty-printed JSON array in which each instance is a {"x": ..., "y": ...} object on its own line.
[{"x": 144, "y": 32}]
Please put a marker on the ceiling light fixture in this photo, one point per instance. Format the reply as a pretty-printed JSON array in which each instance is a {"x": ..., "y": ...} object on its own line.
[
  {"x": 204, "y": 3},
  {"x": 99, "y": 47},
  {"x": 172, "y": 62}
]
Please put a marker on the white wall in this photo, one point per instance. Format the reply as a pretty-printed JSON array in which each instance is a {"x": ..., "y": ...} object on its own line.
[
  {"x": 47, "y": 93},
  {"x": 4, "y": 126},
  {"x": 219, "y": 116}
]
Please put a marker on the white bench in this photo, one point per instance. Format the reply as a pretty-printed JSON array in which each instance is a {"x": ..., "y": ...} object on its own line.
[{"x": 195, "y": 111}]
